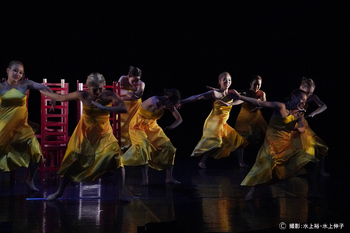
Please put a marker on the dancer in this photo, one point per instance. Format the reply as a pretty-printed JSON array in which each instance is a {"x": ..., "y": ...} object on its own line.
[
  {"x": 150, "y": 146},
  {"x": 18, "y": 145},
  {"x": 132, "y": 89},
  {"x": 218, "y": 139},
  {"x": 277, "y": 159},
  {"x": 92, "y": 149},
  {"x": 309, "y": 141},
  {"x": 250, "y": 123}
]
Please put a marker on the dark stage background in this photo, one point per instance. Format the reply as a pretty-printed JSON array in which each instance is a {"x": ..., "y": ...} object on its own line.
[{"x": 186, "y": 45}]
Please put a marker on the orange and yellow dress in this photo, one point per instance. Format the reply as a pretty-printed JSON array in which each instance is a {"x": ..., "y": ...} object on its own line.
[
  {"x": 150, "y": 145},
  {"x": 310, "y": 142},
  {"x": 251, "y": 125},
  {"x": 277, "y": 159},
  {"x": 218, "y": 138},
  {"x": 18, "y": 145},
  {"x": 92, "y": 149},
  {"x": 133, "y": 106}
]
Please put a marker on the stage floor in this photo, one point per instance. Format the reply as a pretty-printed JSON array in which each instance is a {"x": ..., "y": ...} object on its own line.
[{"x": 209, "y": 200}]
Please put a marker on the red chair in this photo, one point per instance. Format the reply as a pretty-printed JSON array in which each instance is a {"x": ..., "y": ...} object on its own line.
[
  {"x": 54, "y": 130},
  {"x": 114, "y": 118}
]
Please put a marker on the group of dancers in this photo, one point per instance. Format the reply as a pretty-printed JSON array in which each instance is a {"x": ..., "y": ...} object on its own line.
[{"x": 288, "y": 143}]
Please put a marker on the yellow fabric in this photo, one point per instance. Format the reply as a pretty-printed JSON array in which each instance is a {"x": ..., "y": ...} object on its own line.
[
  {"x": 18, "y": 145},
  {"x": 219, "y": 139},
  {"x": 277, "y": 158},
  {"x": 133, "y": 106},
  {"x": 251, "y": 125},
  {"x": 150, "y": 145},
  {"x": 309, "y": 142},
  {"x": 92, "y": 148}
]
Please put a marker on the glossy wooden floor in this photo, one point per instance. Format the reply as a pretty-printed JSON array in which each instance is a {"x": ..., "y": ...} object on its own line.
[{"x": 208, "y": 200}]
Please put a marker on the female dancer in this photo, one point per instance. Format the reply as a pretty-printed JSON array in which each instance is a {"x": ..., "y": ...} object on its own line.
[
  {"x": 250, "y": 123},
  {"x": 92, "y": 149},
  {"x": 150, "y": 146},
  {"x": 18, "y": 145},
  {"x": 218, "y": 139},
  {"x": 277, "y": 159},
  {"x": 132, "y": 89},
  {"x": 309, "y": 141}
]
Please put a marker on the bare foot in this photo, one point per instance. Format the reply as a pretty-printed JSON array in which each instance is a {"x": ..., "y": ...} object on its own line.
[
  {"x": 53, "y": 196},
  {"x": 249, "y": 195},
  {"x": 324, "y": 173},
  {"x": 144, "y": 183},
  {"x": 172, "y": 181},
  {"x": 243, "y": 165},
  {"x": 31, "y": 185},
  {"x": 202, "y": 165}
]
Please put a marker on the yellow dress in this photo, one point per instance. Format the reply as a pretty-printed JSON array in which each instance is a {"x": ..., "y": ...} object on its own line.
[
  {"x": 251, "y": 125},
  {"x": 219, "y": 139},
  {"x": 310, "y": 142},
  {"x": 18, "y": 145},
  {"x": 133, "y": 106},
  {"x": 92, "y": 148},
  {"x": 277, "y": 159},
  {"x": 150, "y": 145}
]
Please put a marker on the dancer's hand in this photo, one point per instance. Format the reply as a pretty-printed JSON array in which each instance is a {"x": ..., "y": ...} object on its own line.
[
  {"x": 168, "y": 128},
  {"x": 53, "y": 104},
  {"x": 298, "y": 115},
  {"x": 234, "y": 94},
  {"x": 178, "y": 105},
  {"x": 255, "y": 109},
  {"x": 100, "y": 106},
  {"x": 222, "y": 103}
]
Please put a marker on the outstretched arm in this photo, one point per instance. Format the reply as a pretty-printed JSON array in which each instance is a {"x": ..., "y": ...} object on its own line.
[
  {"x": 178, "y": 119},
  {"x": 77, "y": 95},
  {"x": 193, "y": 98},
  {"x": 279, "y": 108},
  {"x": 321, "y": 106},
  {"x": 119, "y": 104},
  {"x": 234, "y": 102},
  {"x": 39, "y": 86},
  {"x": 263, "y": 98}
]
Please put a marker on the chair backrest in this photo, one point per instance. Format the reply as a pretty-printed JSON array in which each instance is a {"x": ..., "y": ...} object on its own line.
[
  {"x": 54, "y": 124},
  {"x": 114, "y": 117}
]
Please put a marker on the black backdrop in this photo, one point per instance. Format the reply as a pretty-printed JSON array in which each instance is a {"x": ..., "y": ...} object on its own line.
[{"x": 186, "y": 45}]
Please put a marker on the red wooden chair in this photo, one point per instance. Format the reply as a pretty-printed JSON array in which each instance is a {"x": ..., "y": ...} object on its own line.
[
  {"x": 54, "y": 130},
  {"x": 114, "y": 118}
]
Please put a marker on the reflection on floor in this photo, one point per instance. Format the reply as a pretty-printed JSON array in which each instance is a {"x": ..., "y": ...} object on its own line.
[{"x": 208, "y": 200}]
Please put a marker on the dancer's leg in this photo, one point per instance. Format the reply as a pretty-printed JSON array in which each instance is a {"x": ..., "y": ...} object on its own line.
[
  {"x": 33, "y": 167},
  {"x": 169, "y": 176},
  {"x": 240, "y": 154},
  {"x": 250, "y": 194},
  {"x": 121, "y": 185},
  {"x": 64, "y": 181},
  {"x": 312, "y": 174},
  {"x": 322, "y": 171},
  {"x": 204, "y": 158},
  {"x": 144, "y": 170}
]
